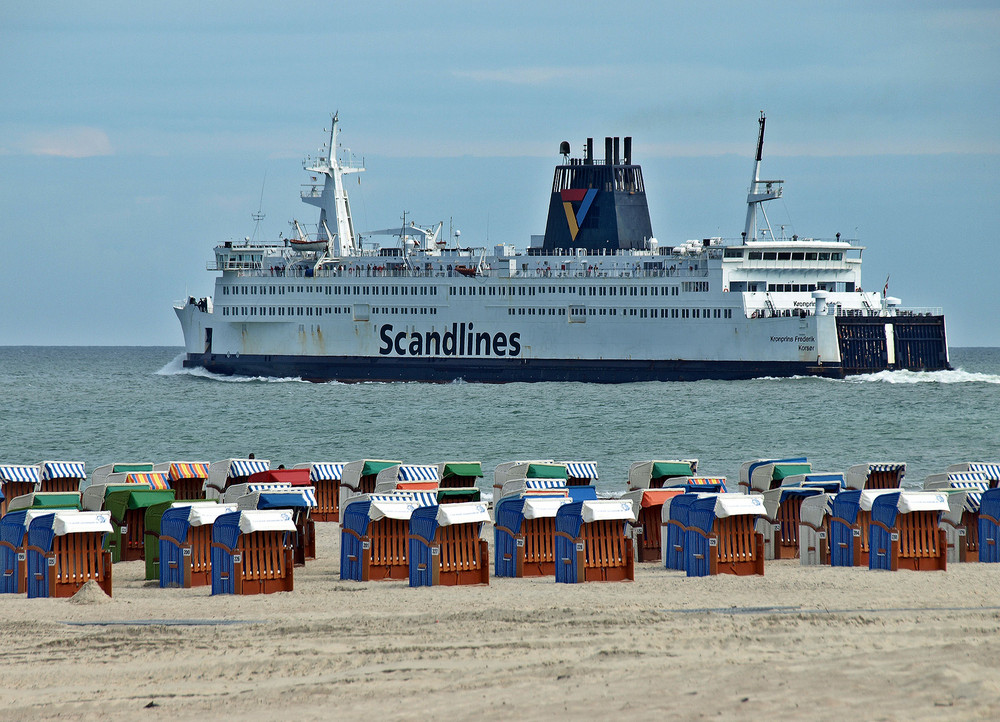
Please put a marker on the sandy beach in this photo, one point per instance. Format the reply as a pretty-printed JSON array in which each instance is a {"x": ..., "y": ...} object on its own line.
[{"x": 800, "y": 642}]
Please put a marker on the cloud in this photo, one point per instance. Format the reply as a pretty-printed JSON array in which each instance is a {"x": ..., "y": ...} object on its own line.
[{"x": 73, "y": 142}]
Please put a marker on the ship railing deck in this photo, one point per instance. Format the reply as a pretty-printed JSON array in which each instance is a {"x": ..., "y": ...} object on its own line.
[
  {"x": 852, "y": 312},
  {"x": 363, "y": 271}
]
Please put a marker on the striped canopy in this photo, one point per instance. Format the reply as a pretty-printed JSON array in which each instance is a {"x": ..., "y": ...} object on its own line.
[
  {"x": 975, "y": 488},
  {"x": 973, "y": 500},
  {"x": 419, "y": 498},
  {"x": 707, "y": 480},
  {"x": 582, "y": 469},
  {"x": 326, "y": 472},
  {"x": 991, "y": 470},
  {"x": 246, "y": 467},
  {"x": 11, "y": 472},
  {"x": 533, "y": 484},
  {"x": 154, "y": 479},
  {"x": 966, "y": 477},
  {"x": 412, "y": 472},
  {"x": 886, "y": 467},
  {"x": 398, "y": 505},
  {"x": 63, "y": 470},
  {"x": 188, "y": 470},
  {"x": 297, "y": 497},
  {"x": 268, "y": 486}
]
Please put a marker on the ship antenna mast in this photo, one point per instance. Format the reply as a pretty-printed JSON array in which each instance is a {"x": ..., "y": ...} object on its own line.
[
  {"x": 259, "y": 215},
  {"x": 757, "y": 196},
  {"x": 332, "y": 199}
]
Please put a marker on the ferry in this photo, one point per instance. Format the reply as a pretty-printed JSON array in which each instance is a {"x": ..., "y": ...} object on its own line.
[{"x": 596, "y": 298}]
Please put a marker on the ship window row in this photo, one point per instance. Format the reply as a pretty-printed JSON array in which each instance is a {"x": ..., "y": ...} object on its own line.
[
  {"x": 794, "y": 256},
  {"x": 791, "y": 287},
  {"x": 331, "y": 290},
  {"x": 283, "y": 311},
  {"x": 598, "y": 175},
  {"x": 577, "y": 311},
  {"x": 403, "y": 311},
  {"x": 509, "y": 291},
  {"x": 631, "y": 290},
  {"x": 536, "y": 311}
]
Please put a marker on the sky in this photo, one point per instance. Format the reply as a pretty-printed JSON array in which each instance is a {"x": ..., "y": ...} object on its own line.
[{"x": 136, "y": 136}]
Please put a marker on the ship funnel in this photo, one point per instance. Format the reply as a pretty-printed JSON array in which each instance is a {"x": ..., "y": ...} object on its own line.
[
  {"x": 628, "y": 150},
  {"x": 588, "y": 158},
  {"x": 616, "y": 150},
  {"x": 820, "y": 298},
  {"x": 607, "y": 150}
]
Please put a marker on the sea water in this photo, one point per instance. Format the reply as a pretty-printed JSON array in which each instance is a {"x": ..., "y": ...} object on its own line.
[{"x": 104, "y": 405}]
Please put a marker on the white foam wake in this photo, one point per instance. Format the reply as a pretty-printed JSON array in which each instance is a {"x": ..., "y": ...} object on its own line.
[
  {"x": 175, "y": 367},
  {"x": 955, "y": 376}
]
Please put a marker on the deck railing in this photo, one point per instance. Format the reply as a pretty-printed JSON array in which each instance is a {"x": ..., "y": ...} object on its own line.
[{"x": 244, "y": 269}]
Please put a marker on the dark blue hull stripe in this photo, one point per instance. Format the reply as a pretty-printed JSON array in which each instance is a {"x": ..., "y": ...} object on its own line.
[{"x": 485, "y": 370}]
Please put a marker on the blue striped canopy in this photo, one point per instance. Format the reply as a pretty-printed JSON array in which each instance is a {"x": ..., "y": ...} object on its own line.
[
  {"x": 287, "y": 498},
  {"x": 246, "y": 467},
  {"x": 326, "y": 472},
  {"x": 991, "y": 470},
  {"x": 413, "y": 472},
  {"x": 967, "y": 477},
  {"x": 11, "y": 472},
  {"x": 975, "y": 488},
  {"x": 544, "y": 483},
  {"x": 63, "y": 470},
  {"x": 582, "y": 469}
]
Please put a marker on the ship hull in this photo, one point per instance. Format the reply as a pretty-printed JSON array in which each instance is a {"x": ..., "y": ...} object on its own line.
[{"x": 444, "y": 370}]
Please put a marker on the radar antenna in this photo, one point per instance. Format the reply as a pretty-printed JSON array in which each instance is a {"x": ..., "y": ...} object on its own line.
[{"x": 259, "y": 215}]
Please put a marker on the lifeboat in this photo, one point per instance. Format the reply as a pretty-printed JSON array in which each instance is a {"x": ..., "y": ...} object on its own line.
[{"x": 306, "y": 245}]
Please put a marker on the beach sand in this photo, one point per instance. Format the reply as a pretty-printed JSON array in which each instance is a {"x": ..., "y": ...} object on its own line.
[{"x": 799, "y": 642}]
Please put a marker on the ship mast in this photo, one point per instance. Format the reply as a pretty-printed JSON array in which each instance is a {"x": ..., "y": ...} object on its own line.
[
  {"x": 757, "y": 196},
  {"x": 332, "y": 200}
]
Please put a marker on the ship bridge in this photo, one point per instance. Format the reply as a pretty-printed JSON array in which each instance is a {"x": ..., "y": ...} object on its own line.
[{"x": 793, "y": 265}]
